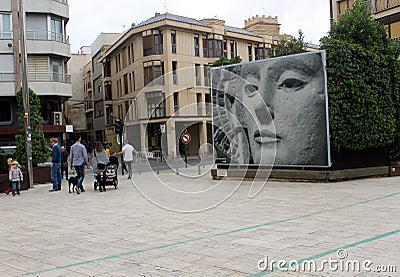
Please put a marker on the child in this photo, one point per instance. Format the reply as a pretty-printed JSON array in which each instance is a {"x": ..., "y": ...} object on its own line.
[{"x": 15, "y": 176}]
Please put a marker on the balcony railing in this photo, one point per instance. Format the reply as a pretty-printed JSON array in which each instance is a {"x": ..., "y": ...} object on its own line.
[
  {"x": 375, "y": 6},
  {"x": 5, "y": 35},
  {"x": 36, "y": 35},
  {"x": 65, "y": 2},
  {"x": 49, "y": 77},
  {"x": 6, "y": 77}
]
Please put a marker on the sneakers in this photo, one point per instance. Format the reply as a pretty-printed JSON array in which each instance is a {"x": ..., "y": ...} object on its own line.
[
  {"x": 82, "y": 189},
  {"x": 77, "y": 190}
]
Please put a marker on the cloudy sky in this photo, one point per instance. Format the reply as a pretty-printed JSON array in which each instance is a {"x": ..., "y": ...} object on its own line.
[{"x": 88, "y": 18}]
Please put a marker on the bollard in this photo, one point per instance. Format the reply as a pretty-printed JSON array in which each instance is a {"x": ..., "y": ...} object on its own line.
[
  {"x": 158, "y": 170},
  {"x": 176, "y": 165},
  {"x": 199, "y": 166},
  {"x": 203, "y": 161}
]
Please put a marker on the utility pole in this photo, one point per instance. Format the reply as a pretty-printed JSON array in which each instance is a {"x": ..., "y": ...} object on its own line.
[{"x": 25, "y": 92}]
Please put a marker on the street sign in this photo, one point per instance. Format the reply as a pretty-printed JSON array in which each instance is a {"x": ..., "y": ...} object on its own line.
[{"x": 186, "y": 137}]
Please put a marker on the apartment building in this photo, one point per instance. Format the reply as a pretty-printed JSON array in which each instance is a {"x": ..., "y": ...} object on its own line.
[
  {"x": 48, "y": 51},
  {"x": 386, "y": 12},
  {"x": 156, "y": 77}
]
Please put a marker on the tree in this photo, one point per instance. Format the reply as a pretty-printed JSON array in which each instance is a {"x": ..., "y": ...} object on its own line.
[
  {"x": 225, "y": 61},
  {"x": 289, "y": 47},
  {"x": 40, "y": 151},
  {"x": 363, "y": 83}
]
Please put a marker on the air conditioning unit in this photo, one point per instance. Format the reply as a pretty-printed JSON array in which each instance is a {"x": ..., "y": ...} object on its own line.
[{"x": 57, "y": 118}]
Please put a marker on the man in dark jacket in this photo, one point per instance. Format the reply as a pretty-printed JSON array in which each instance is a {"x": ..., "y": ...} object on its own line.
[{"x": 56, "y": 157}]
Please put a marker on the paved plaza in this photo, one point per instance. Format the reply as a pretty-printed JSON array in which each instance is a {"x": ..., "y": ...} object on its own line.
[{"x": 288, "y": 229}]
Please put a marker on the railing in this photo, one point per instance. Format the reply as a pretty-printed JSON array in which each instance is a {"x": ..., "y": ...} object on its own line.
[
  {"x": 65, "y": 2},
  {"x": 49, "y": 77},
  {"x": 375, "y": 6},
  {"x": 6, "y": 77},
  {"x": 36, "y": 35},
  {"x": 5, "y": 34}
]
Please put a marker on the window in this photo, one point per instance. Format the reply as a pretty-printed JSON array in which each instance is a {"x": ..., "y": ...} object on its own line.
[
  {"x": 174, "y": 72},
  {"x": 5, "y": 111},
  {"x": 212, "y": 48},
  {"x": 225, "y": 51},
  {"x": 155, "y": 104},
  {"x": 98, "y": 109},
  {"x": 154, "y": 71},
  {"x": 57, "y": 69},
  {"x": 176, "y": 102},
  {"x": 152, "y": 43},
  {"x": 126, "y": 88},
  {"x": 56, "y": 30},
  {"x": 232, "y": 50},
  {"x": 5, "y": 26},
  {"x": 196, "y": 46},
  {"x": 173, "y": 41},
  {"x": 6, "y": 68},
  {"x": 250, "y": 52},
  {"x": 197, "y": 73},
  {"x": 206, "y": 75}
]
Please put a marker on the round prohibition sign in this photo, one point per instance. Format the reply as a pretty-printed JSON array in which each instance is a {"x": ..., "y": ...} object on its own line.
[{"x": 186, "y": 137}]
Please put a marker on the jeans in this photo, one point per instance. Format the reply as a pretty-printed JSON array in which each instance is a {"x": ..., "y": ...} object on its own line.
[
  {"x": 15, "y": 186},
  {"x": 56, "y": 176},
  {"x": 80, "y": 172},
  {"x": 129, "y": 164}
]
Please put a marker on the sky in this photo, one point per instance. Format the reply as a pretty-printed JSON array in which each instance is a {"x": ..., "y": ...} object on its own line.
[{"x": 89, "y": 18}]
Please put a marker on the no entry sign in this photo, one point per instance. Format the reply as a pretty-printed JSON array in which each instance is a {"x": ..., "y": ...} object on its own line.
[{"x": 186, "y": 137}]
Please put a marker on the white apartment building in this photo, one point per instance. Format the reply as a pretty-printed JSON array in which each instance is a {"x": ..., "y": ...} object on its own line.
[{"x": 48, "y": 51}]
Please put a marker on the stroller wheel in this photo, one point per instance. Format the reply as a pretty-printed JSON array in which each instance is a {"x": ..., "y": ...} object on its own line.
[{"x": 95, "y": 185}]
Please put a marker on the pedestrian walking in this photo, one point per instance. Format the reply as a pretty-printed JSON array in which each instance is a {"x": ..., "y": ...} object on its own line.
[
  {"x": 79, "y": 160},
  {"x": 56, "y": 158},
  {"x": 127, "y": 151},
  {"x": 15, "y": 177}
]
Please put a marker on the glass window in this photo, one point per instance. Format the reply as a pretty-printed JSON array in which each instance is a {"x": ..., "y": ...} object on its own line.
[
  {"x": 155, "y": 104},
  {"x": 5, "y": 111},
  {"x": 5, "y": 26},
  {"x": 196, "y": 46},
  {"x": 173, "y": 42},
  {"x": 56, "y": 30}
]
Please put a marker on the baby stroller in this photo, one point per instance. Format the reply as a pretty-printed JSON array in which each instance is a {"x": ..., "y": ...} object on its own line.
[{"x": 107, "y": 175}]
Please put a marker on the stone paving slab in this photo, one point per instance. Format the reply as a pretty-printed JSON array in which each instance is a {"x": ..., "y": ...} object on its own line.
[{"x": 121, "y": 233}]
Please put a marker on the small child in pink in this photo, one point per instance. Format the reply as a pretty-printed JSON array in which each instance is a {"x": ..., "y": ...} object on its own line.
[{"x": 15, "y": 176}]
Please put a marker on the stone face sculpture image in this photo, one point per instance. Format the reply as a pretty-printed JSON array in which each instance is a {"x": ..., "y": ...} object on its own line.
[{"x": 272, "y": 112}]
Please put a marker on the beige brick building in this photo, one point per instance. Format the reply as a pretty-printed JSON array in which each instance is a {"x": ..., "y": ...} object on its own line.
[{"x": 156, "y": 76}]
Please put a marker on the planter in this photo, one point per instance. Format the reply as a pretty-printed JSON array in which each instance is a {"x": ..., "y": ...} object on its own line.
[
  {"x": 41, "y": 174},
  {"x": 4, "y": 182}
]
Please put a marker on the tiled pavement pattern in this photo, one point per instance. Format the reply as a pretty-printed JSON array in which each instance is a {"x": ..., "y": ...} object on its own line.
[{"x": 120, "y": 233}]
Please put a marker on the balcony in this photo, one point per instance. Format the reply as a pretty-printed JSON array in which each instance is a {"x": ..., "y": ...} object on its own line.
[
  {"x": 49, "y": 77},
  {"x": 51, "y": 36},
  {"x": 6, "y": 77},
  {"x": 65, "y": 2},
  {"x": 382, "y": 5},
  {"x": 5, "y": 35}
]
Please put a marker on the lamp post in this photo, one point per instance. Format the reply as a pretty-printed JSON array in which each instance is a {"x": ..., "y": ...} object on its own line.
[{"x": 25, "y": 92}]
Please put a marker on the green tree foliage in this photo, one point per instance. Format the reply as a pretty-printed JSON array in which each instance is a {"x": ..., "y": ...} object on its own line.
[
  {"x": 40, "y": 151},
  {"x": 289, "y": 47},
  {"x": 225, "y": 61},
  {"x": 363, "y": 83}
]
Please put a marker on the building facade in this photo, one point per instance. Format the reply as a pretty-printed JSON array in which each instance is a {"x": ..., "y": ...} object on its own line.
[
  {"x": 386, "y": 12},
  {"x": 156, "y": 77},
  {"x": 48, "y": 51}
]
